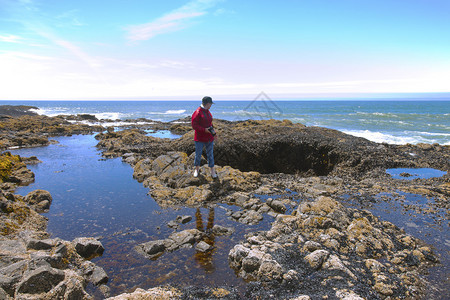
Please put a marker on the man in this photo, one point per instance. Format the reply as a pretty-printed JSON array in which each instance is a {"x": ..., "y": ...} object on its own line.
[{"x": 204, "y": 135}]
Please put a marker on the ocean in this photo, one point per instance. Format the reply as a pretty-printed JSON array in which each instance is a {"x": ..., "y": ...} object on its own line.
[{"x": 383, "y": 121}]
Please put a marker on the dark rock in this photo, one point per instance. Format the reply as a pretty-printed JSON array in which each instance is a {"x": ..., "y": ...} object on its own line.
[
  {"x": 8, "y": 284},
  {"x": 40, "y": 244},
  {"x": 41, "y": 280},
  {"x": 45, "y": 258},
  {"x": 405, "y": 174},
  {"x": 88, "y": 247},
  {"x": 87, "y": 117},
  {"x": 277, "y": 206},
  {"x": 154, "y": 248},
  {"x": 61, "y": 249},
  {"x": 221, "y": 230},
  {"x": 184, "y": 219},
  {"x": 251, "y": 263},
  {"x": 17, "y": 110}
]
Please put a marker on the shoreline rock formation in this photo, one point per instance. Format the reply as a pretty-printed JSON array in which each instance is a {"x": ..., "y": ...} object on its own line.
[{"x": 316, "y": 247}]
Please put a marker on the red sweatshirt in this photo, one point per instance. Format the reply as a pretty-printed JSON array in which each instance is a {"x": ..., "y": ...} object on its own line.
[{"x": 201, "y": 120}]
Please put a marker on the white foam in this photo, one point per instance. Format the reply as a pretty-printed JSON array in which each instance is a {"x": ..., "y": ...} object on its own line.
[
  {"x": 108, "y": 116},
  {"x": 380, "y": 137},
  {"x": 51, "y": 112},
  {"x": 108, "y": 124},
  {"x": 175, "y": 112},
  {"x": 265, "y": 114}
]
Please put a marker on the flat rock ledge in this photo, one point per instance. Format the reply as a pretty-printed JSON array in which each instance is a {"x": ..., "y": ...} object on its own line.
[
  {"x": 171, "y": 181},
  {"x": 325, "y": 249}
]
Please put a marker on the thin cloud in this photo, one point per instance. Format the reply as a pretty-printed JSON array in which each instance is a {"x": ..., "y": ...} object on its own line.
[
  {"x": 10, "y": 38},
  {"x": 174, "y": 21},
  {"x": 336, "y": 83}
]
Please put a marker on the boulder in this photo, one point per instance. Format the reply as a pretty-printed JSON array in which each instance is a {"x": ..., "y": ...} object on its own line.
[
  {"x": 98, "y": 276},
  {"x": 221, "y": 230},
  {"x": 183, "y": 238},
  {"x": 316, "y": 258},
  {"x": 277, "y": 206},
  {"x": 41, "y": 280},
  {"x": 40, "y": 199},
  {"x": 236, "y": 255},
  {"x": 36, "y": 244},
  {"x": 88, "y": 247},
  {"x": 270, "y": 269},
  {"x": 154, "y": 248},
  {"x": 184, "y": 219}
]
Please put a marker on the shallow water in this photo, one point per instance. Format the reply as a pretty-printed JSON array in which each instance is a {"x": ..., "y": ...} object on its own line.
[
  {"x": 411, "y": 173},
  {"x": 163, "y": 134},
  {"x": 411, "y": 212},
  {"x": 99, "y": 198}
]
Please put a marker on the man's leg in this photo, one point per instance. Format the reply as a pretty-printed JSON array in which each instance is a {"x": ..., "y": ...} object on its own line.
[
  {"x": 210, "y": 156},
  {"x": 198, "y": 157}
]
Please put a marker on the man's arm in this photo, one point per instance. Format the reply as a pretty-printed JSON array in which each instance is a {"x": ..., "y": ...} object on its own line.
[{"x": 195, "y": 122}]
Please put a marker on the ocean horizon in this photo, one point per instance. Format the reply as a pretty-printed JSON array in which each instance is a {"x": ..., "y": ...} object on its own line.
[{"x": 392, "y": 121}]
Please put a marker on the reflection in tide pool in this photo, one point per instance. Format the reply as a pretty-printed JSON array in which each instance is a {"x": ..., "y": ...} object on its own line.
[
  {"x": 99, "y": 198},
  {"x": 163, "y": 134},
  {"x": 410, "y": 173}
]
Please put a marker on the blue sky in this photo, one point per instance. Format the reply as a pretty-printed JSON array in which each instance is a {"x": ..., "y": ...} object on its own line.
[{"x": 61, "y": 49}]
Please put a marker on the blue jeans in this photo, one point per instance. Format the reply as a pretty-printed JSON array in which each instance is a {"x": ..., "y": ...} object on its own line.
[{"x": 209, "y": 153}]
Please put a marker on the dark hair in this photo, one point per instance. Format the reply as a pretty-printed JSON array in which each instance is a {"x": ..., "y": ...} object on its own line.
[{"x": 206, "y": 100}]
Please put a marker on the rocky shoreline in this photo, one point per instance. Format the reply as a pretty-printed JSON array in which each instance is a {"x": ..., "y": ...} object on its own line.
[{"x": 316, "y": 248}]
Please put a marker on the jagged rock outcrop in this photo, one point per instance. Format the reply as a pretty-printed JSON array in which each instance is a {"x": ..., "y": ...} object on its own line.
[
  {"x": 339, "y": 249},
  {"x": 273, "y": 146}
]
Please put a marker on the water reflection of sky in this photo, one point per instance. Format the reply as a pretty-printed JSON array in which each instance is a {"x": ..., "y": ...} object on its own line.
[
  {"x": 410, "y": 173},
  {"x": 163, "y": 134},
  {"x": 98, "y": 197}
]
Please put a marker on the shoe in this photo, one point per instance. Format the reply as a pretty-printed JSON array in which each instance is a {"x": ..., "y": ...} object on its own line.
[
  {"x": 213, "y": 174},
  {"x": 196, "y": 173}
]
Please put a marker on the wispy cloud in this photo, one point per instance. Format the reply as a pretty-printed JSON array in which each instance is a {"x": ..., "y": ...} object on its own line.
[
  {"x": 70, "y": 18},
  {"x": 176, "y": 20},
  {"x": 337, "y": 83},
  {"x": 9, "y": 38}
]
